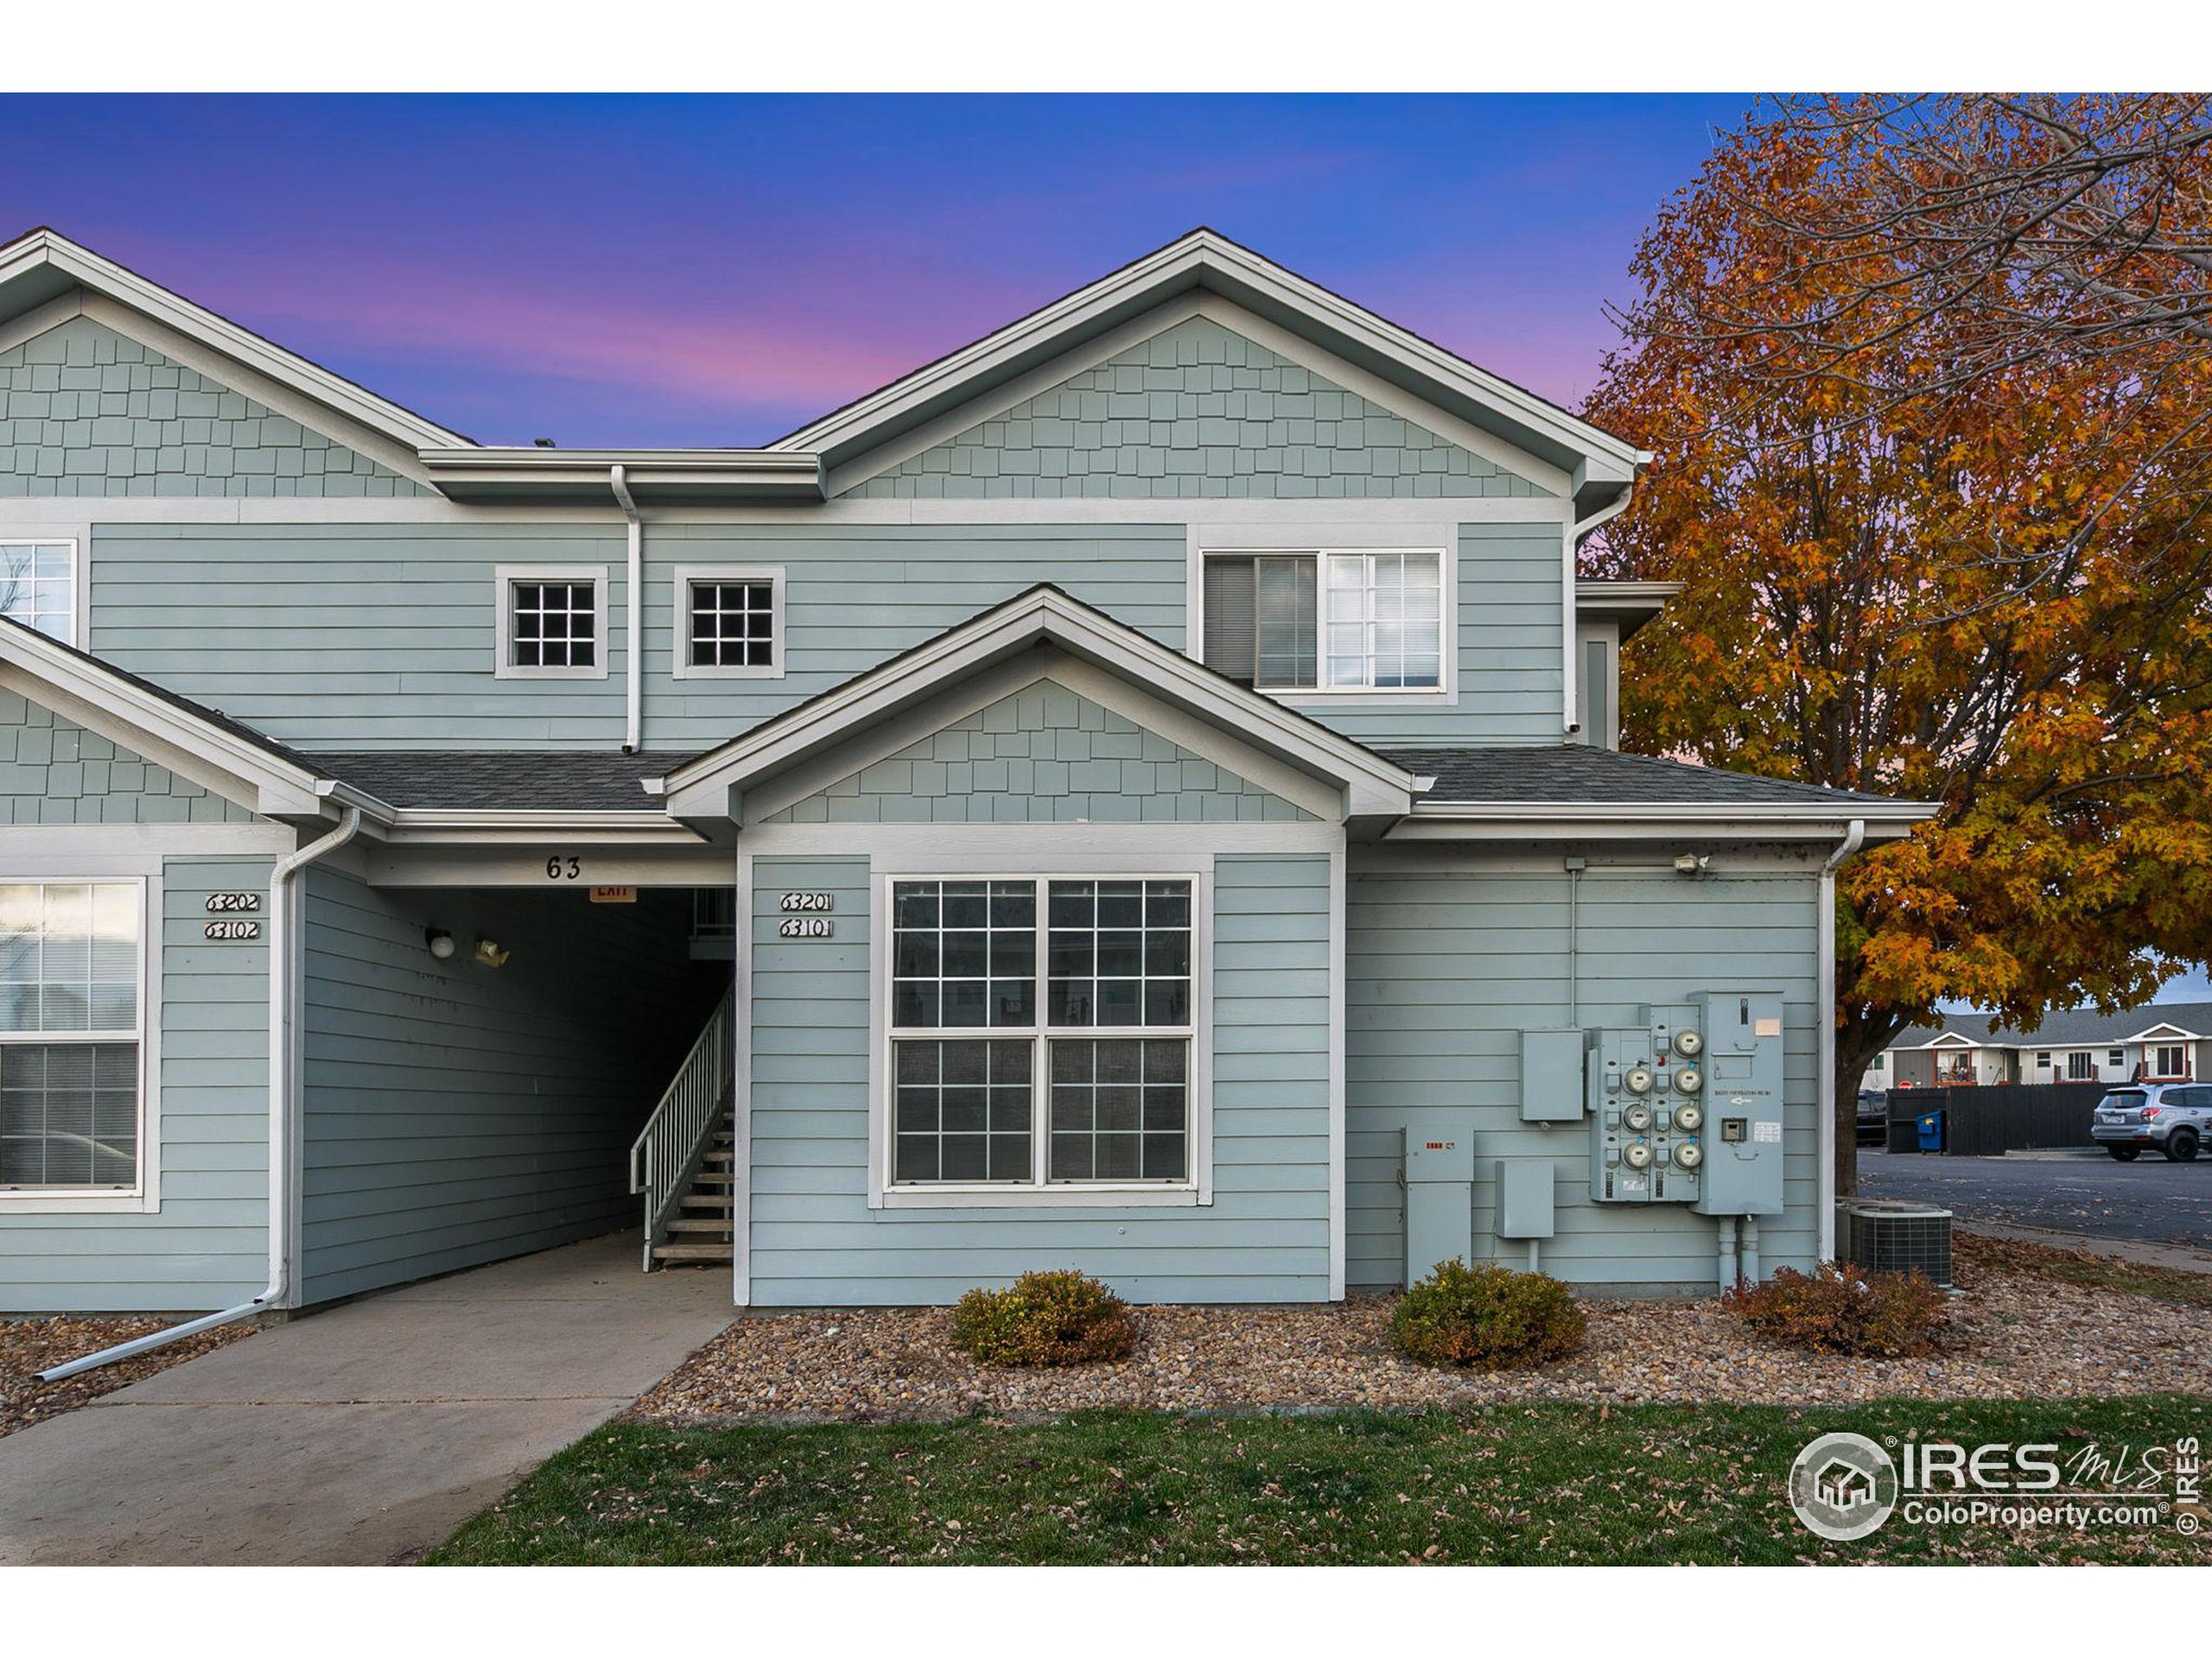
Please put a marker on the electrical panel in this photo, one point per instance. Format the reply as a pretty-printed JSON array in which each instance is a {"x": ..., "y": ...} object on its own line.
[
  {"x": 1744, "y": 1103},
  {"x": 1647, "y": 1104},
  {"x": 1524, "y": 1198},
  {"x": 1551, "y": 1076},
  {"x": 1439, "y": 1178}
]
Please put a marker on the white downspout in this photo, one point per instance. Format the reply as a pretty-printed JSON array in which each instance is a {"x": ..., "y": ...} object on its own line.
[
  {"x": 1580, "y": 529},
  {"x": 1854, "y": 837},
  {"x": 281, "y": 1114},
  {"x": 633, "y": 724}
]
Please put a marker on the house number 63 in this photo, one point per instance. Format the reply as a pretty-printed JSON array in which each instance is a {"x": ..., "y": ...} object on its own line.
[{"x": 563, "y": 869}]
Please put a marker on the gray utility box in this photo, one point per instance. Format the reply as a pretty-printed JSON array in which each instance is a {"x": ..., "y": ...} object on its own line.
[
  {"x": 1744, "y": 1137},
  {"x": 1524, "y": 1198},
  {"x": 1439, "y": 1190},
  {"x": 1646, "y": 1111},
  {"x": 1551, "y": 1076}
]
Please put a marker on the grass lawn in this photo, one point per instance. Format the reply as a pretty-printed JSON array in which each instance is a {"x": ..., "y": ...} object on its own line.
[{"x": 1536, "y": 1484}]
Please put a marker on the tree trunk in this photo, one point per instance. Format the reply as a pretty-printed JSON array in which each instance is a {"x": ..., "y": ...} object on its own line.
[{"x": 1861, "y": 1034}]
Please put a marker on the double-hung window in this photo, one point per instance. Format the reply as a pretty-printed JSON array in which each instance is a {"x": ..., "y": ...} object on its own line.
[
  {"x": 72, "y": 1011},
  {"x": 729, "y": 623},
  {"x": 38, "y": 587},
  {"x": 1353, "y": 620},
  {"x": 552, "y": 622},
  {"x": 1041, "y": 1032}
]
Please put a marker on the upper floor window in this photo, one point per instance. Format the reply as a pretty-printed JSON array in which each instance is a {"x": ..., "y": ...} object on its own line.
[
  {"x": 38, "y": 587},
  {"x": 71, "y": 1030},
  {"x": 552, "y": 622},
  {"x": 1355, "y": 621},
  {"x": 729, "y": 623}
]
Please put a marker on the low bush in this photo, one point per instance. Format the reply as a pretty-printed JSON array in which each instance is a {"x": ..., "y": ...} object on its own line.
[
  {"x": 1486, "y": 1315},
  {"x": 1837, "y": 1309},
  {"x": 1044, "y": 1318}
]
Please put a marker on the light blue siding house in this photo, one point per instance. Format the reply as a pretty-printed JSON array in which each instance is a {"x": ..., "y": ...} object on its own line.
[{"x": 1139, "y": 794}]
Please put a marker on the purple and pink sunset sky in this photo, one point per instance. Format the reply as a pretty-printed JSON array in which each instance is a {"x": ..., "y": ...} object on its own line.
[{"x": 718, "y": 270}]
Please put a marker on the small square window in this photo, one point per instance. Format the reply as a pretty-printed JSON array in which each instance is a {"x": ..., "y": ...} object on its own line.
[
  {"x": 729, "y": 623},
  {"x": 38, "y": 587},
  {"x": 552, "y": 622}
]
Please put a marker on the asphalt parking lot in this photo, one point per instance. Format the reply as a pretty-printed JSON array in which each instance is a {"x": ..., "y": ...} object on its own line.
[{"x": 2150, "y": 1200}]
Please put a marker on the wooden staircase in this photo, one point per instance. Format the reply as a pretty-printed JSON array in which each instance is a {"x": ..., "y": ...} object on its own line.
[{"x": 700, "y": 1232}]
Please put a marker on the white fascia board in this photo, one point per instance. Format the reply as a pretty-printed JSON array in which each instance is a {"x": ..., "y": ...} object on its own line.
[
  {"x": 46, "y": 248},
  {"x": 479, "y": 472},
  {"x": 2162, "y": 1029},
  {"x": 1552, "y": 821},
  {"x": 594, "y": 829},
  {"x": 1178, "y": 265},
  {"x": 122, "y": 711},
  {"x": 700, "y": 788}
]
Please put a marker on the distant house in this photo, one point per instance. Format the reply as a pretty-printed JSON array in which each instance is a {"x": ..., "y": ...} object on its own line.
[{"x": 2169, "y": 1042}]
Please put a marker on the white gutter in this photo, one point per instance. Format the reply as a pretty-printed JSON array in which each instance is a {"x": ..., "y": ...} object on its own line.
[
  {"x": 1567, "y": 628},
  {"x": 1853, "y": 839},
  {"x": 282, "y": 1112},
  {"x": 633, "y": 725}
]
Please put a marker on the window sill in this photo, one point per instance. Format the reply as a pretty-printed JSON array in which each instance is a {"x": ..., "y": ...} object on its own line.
[
  {"x": 687, "y": 672},
  {"x": 512, "y": 671},
  {"x": 50, "y": 1201},
  {"x": 1149, "y": 1197}
]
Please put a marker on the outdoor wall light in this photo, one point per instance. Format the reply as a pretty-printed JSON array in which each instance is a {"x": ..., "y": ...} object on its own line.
[
  {"x": 488, "y": 954},
  {"x": 1692, "y": 863},
  {"x": 440, "y": 943}
]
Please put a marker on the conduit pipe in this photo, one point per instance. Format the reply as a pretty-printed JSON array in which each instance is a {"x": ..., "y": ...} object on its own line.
[
  {"x": 1854, "y": 837},
  {"x": 282, "y": 1111},
  {"x": 1726, "y": 1269},
  {"x": 633, "y": 604},
  {"x": 1747, "y": 1261}
]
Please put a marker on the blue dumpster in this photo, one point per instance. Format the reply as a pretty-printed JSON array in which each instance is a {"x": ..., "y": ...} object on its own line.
[{"x": 1931, "y": 1131}]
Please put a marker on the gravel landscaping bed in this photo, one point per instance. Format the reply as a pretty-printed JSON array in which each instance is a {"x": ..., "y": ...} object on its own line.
[
  {"x": 28, "y": 1346},
  {"x": 2016, "y": 1333}
]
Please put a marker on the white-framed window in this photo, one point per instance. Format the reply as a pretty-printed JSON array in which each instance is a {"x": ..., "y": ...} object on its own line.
[
  {"x": 2081, "y": 1066},
  {"x": 1041, "y": 1037},
  {"x": 1326, "y": 621},
  {"x": 38, "y": 585},
  {"x": 2044, "y": 1060},
  {"x": 2115, "y": 1057},
  {"x": 2172, "y": 1062},
  {"x": 728, "y": 622},
  {"x": 552, "y": 621},
  {"x": 73, "y": 1029},
  {"x": 1880, "y": 1063}
]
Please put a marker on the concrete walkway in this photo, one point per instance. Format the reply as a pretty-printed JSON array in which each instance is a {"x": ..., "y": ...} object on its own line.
[{"x": 362, "y": 1435}]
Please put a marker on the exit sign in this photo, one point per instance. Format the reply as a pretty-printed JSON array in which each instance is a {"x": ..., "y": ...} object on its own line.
[{"x": 615, "y": 895}]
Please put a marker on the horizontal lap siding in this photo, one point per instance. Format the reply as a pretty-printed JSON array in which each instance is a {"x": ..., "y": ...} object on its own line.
[
  {"x": 456, "y": 1114},
  {"x": 206, "y": 1247},
  {"x": 856, "y": 595},
  {"x": 1510, "y": 655},
  {"x": 1446, "y": 967},
  {"x": 1264, "y": 1239}
]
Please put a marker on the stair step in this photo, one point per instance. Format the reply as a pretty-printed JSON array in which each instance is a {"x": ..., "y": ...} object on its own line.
[
  {"x": 699, "y": 1224},
  {"x": 721, "y": 1201},
  {"x": 691, "y": 1253},
  {"x": 707, "y": 1179}
]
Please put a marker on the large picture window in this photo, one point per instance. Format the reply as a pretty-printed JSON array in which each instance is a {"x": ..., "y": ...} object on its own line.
[
  {"x": 1040, "y": 1032},
  {"x": 72, "y": 1008},
  {"x": 1326, "y": 621}
]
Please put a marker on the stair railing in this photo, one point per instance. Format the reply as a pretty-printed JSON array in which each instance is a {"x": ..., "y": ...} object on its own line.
[{"x": 667, "y": 1154}]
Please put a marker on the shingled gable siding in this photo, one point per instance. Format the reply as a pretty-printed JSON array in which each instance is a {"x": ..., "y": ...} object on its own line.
[
  {"x": 1446, "y": 963},
  {"x": 205, "y": 1248},
  {"x": 1044, "y": 755},
  {"x": 86, "y": 411},
  {"x": 53, "y": 770},
  {"x": 1198, "y": 410},
  {"x": 456, "y": 1114},
  {"x": 1265, "y": 1236}
]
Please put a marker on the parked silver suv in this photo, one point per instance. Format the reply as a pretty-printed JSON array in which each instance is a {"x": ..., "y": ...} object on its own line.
[{"x": 2175, "y": 1117}]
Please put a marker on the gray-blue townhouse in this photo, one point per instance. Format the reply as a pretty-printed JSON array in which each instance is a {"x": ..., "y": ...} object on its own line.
[{"x": 1139, "y": 794}]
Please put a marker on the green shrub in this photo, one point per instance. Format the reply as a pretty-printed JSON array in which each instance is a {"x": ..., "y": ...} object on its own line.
[
  {"x": 1486, "y": 1315},
  {"x": 1044, "y": 1318},
  {"x": 1836, "y": 1309}
]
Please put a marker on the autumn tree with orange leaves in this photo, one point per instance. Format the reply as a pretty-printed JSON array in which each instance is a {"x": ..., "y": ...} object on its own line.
[{"x": 1987, "y": 588}]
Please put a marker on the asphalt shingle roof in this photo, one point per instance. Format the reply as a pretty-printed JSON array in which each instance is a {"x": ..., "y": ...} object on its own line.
[
  {"x": 1575, "y": 773},
  {"x": 2066, "y": 1027},
  {"x": 496, "y": 780}
]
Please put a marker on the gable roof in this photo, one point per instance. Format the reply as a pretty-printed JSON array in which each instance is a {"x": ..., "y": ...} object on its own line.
[
  {"x": 42, "y": 268},
  {"x": 1601, "y": 465},
  {"x": 2072, "y": 1027},
  {"x": 1043, "y": 614}
]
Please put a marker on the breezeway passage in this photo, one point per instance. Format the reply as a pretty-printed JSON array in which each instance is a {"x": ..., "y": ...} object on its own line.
[{"x": 362, "y": 1435}]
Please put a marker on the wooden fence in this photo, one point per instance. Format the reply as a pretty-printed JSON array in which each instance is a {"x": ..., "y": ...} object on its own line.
[{"x": 2000, "y": 1117}]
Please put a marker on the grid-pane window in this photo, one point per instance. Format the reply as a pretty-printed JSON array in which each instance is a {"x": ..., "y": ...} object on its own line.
[
  {"x": 1049, "y": 1046},
  {"x": 69, "y": 1034},
  {"x": 37, "y": 587},
  {"x": 1336, "y": 621},
  {"x": 553, "y": 624},
  {"x": 733, "y": 624}
]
